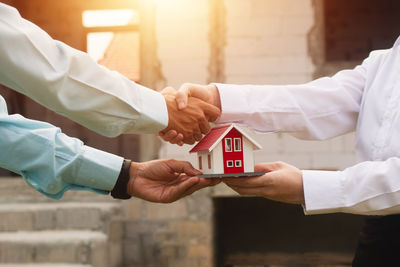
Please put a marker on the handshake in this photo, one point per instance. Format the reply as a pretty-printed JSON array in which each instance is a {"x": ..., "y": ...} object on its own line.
[{"x": 190, "y": 110}]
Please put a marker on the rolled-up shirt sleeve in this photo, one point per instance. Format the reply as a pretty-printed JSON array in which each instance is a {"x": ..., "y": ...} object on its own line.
[
  {"x": 71, "y": 83},
  {"x": 50, "y": 161}
]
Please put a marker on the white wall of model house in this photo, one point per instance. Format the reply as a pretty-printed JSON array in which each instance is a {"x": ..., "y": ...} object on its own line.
[
  {"x": 248, "y": 155},
  {"x": 217, "y": 158}
]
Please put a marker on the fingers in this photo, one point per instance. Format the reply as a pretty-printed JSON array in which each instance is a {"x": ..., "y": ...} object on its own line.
[
  {"x": 204, "y": 125},
  {"x": 180, "y": 190},
  {"x": 194, "y": 90},
  {"x": 168, "y": 90},
  {"x": 172, "y": 136},
  {"x": 182, "y": 99},
  {"x": 179, "y": 140},
  {"x": 244, "y": 191},
  {"x": 268, "y": 166},
  {"x": 183, "y": 167},
  {"x": 169, "y": 135},
  {"x": 201, "y": 184},
  {"x": 197, "y": 136},
  {"x": 211, "y": 112},
  {"x": 189, "y": 140},
  {"x": 249, "y": 182}
]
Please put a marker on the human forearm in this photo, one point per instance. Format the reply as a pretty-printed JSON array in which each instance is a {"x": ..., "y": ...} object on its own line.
[
  {"x": 69, "y": 82},
  {"x": 345, "y": 191},
  {"x": 52, "y": 162},
  {"x": 318, "y": 110}
]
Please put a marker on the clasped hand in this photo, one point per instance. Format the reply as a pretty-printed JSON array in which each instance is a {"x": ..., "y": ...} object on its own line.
[{"x": 190, "y": 121}]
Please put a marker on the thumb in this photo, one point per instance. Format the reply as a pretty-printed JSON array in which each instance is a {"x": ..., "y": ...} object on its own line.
[
  {"x": 184, "y": 167},
  {"x": 189, "y": 89},
  {"x": 184, "y": 188},
  {"x": 168, "y": 90},
  {"x": 264, "y": 167}
]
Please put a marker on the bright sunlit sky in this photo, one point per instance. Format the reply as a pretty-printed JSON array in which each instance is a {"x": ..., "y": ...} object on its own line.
[{"x": 99, "y": 41}]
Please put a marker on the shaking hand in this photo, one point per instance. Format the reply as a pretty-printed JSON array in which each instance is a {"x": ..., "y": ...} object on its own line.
[
  {"x": 200, "y": 102},
  {"x": 191, "y": 121}
]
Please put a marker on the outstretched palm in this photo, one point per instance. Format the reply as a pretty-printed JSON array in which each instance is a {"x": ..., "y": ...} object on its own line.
[{"x": 164, "y": 181}]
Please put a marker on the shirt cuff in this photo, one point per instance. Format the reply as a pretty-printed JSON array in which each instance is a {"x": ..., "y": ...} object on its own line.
[
  {"x": 323, "y": 191},
  {"x": 231, "y": 98},
  {"x": 154, "y": 112},
  {"x": 98, "y": 169}
]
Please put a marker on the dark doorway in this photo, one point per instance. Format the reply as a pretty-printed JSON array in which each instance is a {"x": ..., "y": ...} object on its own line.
[
  {"x": 353, "y": 28},
  {"x": 259, "y": 232}
]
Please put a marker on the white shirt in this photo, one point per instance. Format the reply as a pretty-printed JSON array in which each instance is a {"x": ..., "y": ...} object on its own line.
[
  {"x": 71, "y": 83},
  {"x": 365, "y": 99}
]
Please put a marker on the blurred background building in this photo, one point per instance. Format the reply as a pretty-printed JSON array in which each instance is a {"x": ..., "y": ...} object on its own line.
[{"x": 169, "y": 42}]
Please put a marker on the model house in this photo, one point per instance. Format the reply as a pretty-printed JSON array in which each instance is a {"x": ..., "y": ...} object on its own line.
[{"x": 226, "y": 149}]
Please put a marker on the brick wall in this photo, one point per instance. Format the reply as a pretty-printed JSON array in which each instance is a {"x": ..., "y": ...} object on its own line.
[{"x": 267, "y": 41}]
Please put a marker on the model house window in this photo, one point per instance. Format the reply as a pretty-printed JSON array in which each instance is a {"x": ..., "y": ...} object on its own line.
[
  {"x": 209, "y": 161},
  {"x": 228, "y": 145},
  {"x": 238, "y": 163},
  {"x": 200, "y": 163},
  {"x": 229, "y": 163},
  {"x": 237, "y": 144}
]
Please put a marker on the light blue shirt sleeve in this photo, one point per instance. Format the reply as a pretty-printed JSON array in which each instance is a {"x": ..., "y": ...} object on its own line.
[{"x": 52, "y": 162}]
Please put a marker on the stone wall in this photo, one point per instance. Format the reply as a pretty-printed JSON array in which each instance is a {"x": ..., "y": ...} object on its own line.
[{"x": 173, "y": 235}]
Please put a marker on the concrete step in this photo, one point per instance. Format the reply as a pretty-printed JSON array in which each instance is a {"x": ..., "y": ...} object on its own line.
[
  {"x": 16, "y": 190},
  {"x": 75, "y": 247},
  {"x": 58, "y": 216},
  {"x": 43, "y": 265}
]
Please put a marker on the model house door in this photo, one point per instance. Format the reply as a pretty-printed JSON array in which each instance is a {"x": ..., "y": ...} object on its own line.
[{"x": 232, "y": 145}]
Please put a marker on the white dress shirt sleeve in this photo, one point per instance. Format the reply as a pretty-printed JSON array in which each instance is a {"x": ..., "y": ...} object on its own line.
[
  {"x": 369, "y": 188},
  {"x": 321, "y": 109},
  {"x": 71, "y": 83}
]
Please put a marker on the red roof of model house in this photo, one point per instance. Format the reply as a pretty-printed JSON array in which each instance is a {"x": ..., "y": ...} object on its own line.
[{"x": 211, "y": 140}]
